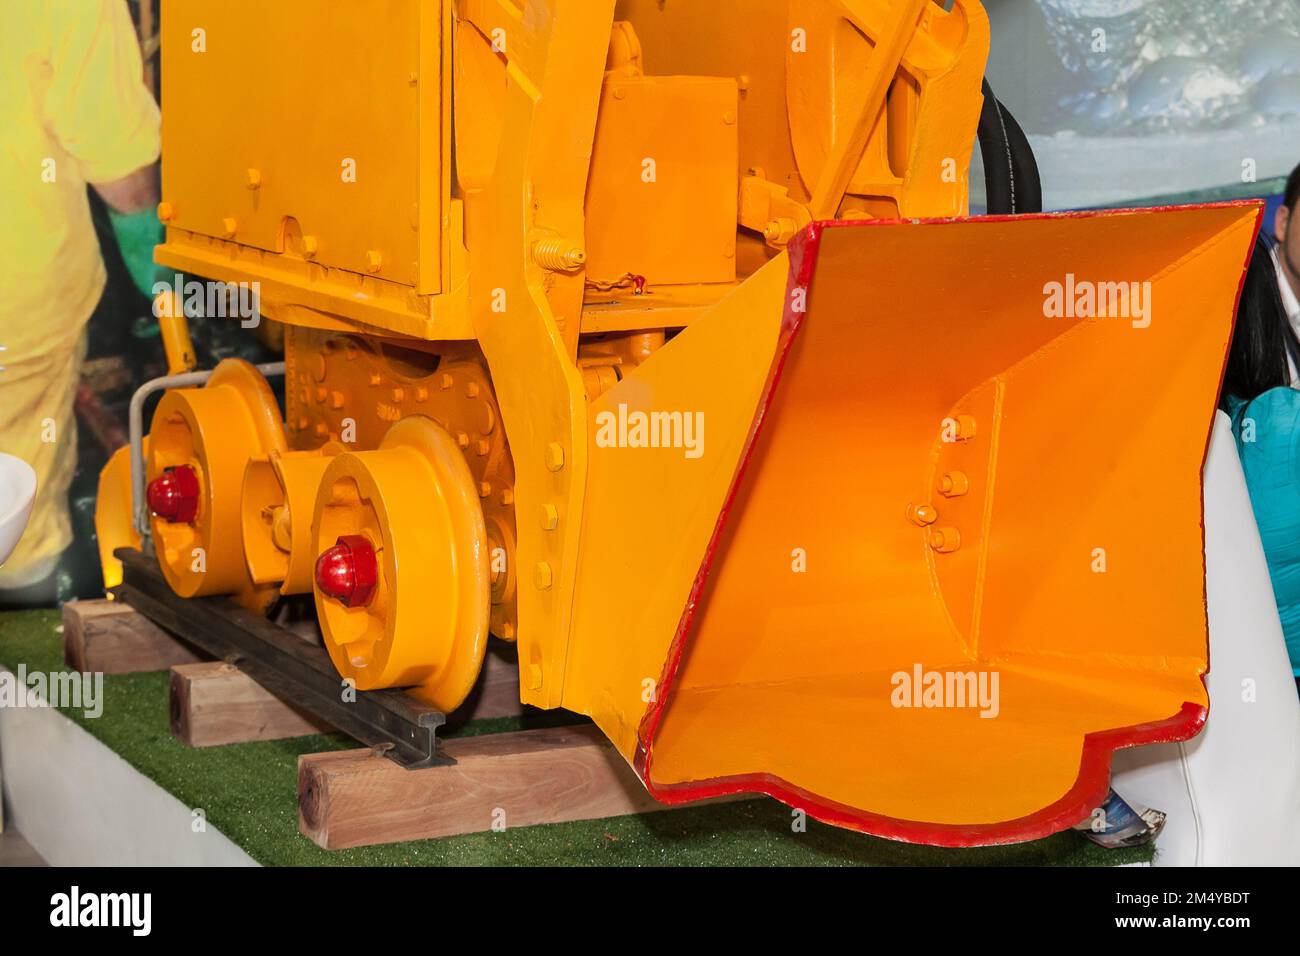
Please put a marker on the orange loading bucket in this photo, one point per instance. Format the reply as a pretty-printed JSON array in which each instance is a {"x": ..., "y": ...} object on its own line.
[{"x": 949, "y": 508}]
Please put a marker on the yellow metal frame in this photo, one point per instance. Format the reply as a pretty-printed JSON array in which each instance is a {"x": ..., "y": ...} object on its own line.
[
  {"x": 502, "y": 261},
  {"x": 525, "y": 317},
  {"x": 262, "y": 196}
]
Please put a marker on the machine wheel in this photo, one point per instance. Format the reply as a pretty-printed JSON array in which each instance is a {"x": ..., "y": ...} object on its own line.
[
  {"x": 199, "y": 444},
  {"x": 402, "y": 584}
]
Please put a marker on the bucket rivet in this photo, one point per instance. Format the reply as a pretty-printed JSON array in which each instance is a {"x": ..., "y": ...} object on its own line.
[
  {"x": 965, "y": 428},
  {"x": 922, "y": 515},
  {"x": 945, "y": 540},
  {"x": 954, "y": 484}
]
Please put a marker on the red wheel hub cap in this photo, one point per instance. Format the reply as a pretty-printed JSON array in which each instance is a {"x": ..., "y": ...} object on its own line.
[
  {"x": 349, "y": 571},
  {"x": 174, "y": 495}
]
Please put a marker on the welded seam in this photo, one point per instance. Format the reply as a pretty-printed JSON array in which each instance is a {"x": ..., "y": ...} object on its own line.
[{"x": 986, "y": 522}]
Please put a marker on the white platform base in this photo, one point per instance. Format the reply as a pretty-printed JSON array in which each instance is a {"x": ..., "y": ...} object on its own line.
[
  {"x": 79, "y": 804},
  {"x": 1232, "y": 792}
]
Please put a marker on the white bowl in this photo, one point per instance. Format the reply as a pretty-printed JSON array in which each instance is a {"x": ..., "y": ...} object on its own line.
[{"x": 17, "y": 492}]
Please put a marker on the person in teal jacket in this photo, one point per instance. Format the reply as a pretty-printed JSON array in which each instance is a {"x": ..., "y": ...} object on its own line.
[{"x": 1259, "y": 396}]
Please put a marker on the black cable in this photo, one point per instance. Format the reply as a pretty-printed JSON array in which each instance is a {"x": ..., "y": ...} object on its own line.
[{"x": 1011, "y": 177}]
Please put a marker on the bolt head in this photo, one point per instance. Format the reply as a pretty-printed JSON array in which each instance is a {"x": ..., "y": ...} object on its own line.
[
  {"x": 554, "y": 456},
  {"x": 922, "y": 515},
  {"x": 945, "y": 540},
  {"x": 550, "y": 517}
]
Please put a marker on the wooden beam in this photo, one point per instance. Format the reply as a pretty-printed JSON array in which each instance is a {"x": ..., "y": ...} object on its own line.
[
  {"x": 497, "y": 694},
  {"x": 112, "y": 638},
  {"x": 356, "y": 798},
  {"x": 214, "y": 703}
]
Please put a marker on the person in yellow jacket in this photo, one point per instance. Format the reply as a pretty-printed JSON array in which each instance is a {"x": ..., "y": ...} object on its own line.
[{"x": 74, "y": 111}]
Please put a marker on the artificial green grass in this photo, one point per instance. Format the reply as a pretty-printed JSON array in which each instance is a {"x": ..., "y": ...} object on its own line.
[{"x": 249, "y": 793}]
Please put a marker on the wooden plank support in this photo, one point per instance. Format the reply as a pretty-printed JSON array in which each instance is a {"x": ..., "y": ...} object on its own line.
[
  {"x": 498, "y": 692},
  {"x": 214, "y": 703},
  {"x": 354, "y": 798},
  {"x": 110, "y": 637}
]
